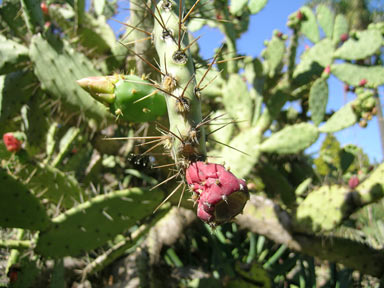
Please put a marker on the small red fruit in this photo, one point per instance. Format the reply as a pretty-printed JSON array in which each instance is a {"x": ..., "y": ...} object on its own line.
[
  {"x": 353, "y": 182},
  {"x": 299, "y": 15},
  {"x": 11, "y": 142},
  {"x": 220, "y": 195},
  {"x": 44, "y": 8},
  {"x": 327, "y": 70},
  {"x": 363, "y": 82},
  {"x": 346, "y": 88},
  {"x": 344, "y": 37}
]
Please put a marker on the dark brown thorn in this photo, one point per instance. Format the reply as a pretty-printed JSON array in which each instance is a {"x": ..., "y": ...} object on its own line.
[
  {"x": 152, "y": 148},
  {"x": 181, "y": 196},
  {"x": 169, "y": 131},
  {"x": 150, "y": 142},
  {"x": 231, "y": 59},
  {"x": 190, "y": 11},
  {"x": 135, "y": 138},
  {"x": 209, "y": 120},
  {"x": 209, "y": 67},
  {"x": 158, "y": 11},
  {"x": 153, "y": 14},
  {"x": 137, "y": 41},
  {"x": 133, "y": 27},
  {"x": 169, "y": 196},
  {"x": 145, "y": 97},
  {"x": 225, "y": 125},
  {"x": 213, "y": 19},
  {"x": 165, "y": 64},
  {"x": 165, "y": 181},
  {"x": 163, "y": 166},
  {"x": 186, "y": 86},
  {"x": 145, "y": 60},
  {"x": 226, "y": 145},
  {"x": 190, "y": 44},
  {"x": 210, "y": 81}
]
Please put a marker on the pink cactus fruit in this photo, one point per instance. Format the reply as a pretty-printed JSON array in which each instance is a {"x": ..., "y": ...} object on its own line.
[
  {"x": 344, "y": 37},
  {"x": 353, "y": 182},
  {"x": 221, "y": 195},
  {"x": 11, "y": 142},
  {"x": 327, "y": 70},
  {"x": 363, "y": 82}
]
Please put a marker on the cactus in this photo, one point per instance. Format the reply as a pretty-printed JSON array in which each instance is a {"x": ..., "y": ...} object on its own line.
[
  {"x": 291, "y": 139},
  {"x": 318, "y": 99},
  {"x": 12, "y": 55},
  {"x": 20, "y": 208},
  {"x": 326, "y": 19},
  {"x": 361, "y": 46},
  {"x": 255, "y": 114},
  {"x": 65, "y": 67},
  {"x": 94, "y": 222}
]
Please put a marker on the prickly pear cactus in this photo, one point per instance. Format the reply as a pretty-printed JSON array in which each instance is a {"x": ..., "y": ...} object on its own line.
[{"x": 231, "y": 133}]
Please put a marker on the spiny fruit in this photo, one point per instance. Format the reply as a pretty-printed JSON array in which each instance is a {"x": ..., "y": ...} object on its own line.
[
  {"x": 12, "y": 142},
  {"x": 128, "y": 96},
  {"x": 220, "y": 194}
]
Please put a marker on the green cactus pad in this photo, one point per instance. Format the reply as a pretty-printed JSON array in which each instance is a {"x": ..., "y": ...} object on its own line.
[
  {"x": 237, "y": 7},
  {"x": 12, "y": 55},
  {"x": 352, "y": 74},
  {"x": 309, "y": 25},
  {"x": 291, "y": 139},
  {"x": 372, "y": 189},
  {"x": 318, "y": 99},
  {"x": 52, "y": 184},
  {"x": 130, "y": 90},
  {"x": 93, "y": 223},
  {"x": 342, "y": 119},
  {"x": 326, "y": 19},
  {"x": 10, "y": 16},
  {"x": 58, "y": 71},
  {"x": 19, "y": 208},
  {"x": 255, "y": 6},
  {"x": 274, "y": 55},
  {"x": 237, "y": 101},
  {"x": 341, "y": 27},
  {"x": 240, "y": 164},
  {"x": 324, "y": 209},
  {"x": 15, "y": 90},
  {"x": 365, "y": 44},
  {"x": 313, "y": 62},
  {"x": 33, "y": 16}
]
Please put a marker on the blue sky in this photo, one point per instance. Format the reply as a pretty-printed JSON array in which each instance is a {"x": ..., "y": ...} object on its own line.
[{"x": 274, "y": 16}]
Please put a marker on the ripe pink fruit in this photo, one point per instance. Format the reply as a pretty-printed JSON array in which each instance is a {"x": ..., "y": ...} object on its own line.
[
  {"x": 11, "y": 142},
  {"x": 327, "y": 70},
  {"x": 44, "y": 8},
  {"x": 220, "y": 195},
  {"x": 363, "y": 82},
  {"x": 344, "y": 37},
  {"x": 353, "y": 182},
  {"x": 299, "y": 15}
]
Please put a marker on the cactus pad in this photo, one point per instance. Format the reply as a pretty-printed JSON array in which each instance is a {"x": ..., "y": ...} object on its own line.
[
  {"x": 342, "y": 119},
  {"x": 58, "y": 71},
  {"x": 318, "y": 99},
  {"x": 353, "y": 74},
  {"x": 291, "y": 139},
  {"x": 364, "y": 44},
  {"x": 19, "y": 208},
  {"x": 91, "y": 224}
]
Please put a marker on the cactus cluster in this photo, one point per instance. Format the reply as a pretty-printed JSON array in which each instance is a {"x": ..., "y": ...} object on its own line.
[{"x": 75, "y": 161}]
